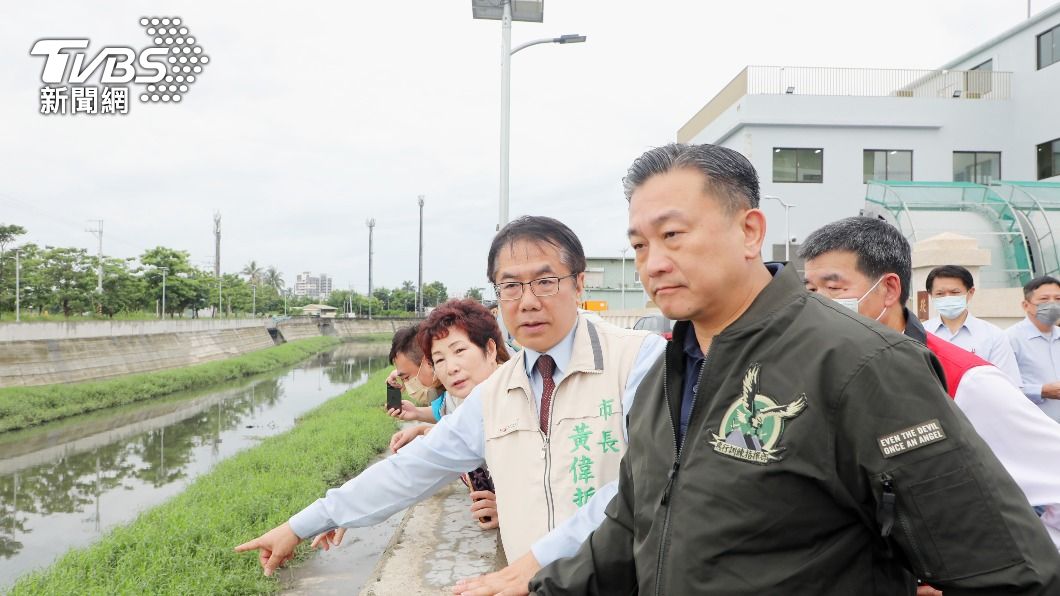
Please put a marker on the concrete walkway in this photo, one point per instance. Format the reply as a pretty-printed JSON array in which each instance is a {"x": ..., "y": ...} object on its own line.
[{"x": 428, "y": 550}]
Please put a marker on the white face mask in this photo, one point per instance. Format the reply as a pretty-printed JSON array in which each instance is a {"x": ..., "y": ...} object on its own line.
[
  {"x": 852, "y": 303},
  {"x": 951, "y": 307}
]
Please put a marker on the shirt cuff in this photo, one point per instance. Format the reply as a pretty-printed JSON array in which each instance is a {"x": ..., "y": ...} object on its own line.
[
  {"x": 554, "y": 545},
  {"x": 311, "y": 521},
  {"x": 1033, "y": 393}
]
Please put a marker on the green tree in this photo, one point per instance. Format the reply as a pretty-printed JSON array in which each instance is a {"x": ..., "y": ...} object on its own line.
[
  {"x": 65, "y": 280},
  {"x": 253, "y": 272},
  {"x": 474, "y": 294},
  {"x": 435, "y": 293},
  {"x": 8, "y": 234},
  {"x": 186, "y": 286},
  {"x": 122, "y": 290},
  {"x": 274, "y": 279}
]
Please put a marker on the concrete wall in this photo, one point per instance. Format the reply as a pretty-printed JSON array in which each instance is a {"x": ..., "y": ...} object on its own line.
[
  {"x": 83, "y": 329},
  {"x": 70, "y": 360},
  {"x": 354, "y": 327}
]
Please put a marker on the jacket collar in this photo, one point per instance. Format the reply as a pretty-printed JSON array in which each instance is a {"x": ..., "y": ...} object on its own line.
[
  {"x": 781, "y": 291},
  {"x": 913, "y": 328}
]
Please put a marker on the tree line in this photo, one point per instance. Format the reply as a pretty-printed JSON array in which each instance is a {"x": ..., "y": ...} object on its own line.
[{"x": 62, "y": 282}]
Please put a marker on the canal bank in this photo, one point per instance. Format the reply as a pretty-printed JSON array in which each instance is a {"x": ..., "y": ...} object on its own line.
[
  {"x": 21, "y": 407},
  {"x": 184, "y": 546},
  {"x": 33, "y": 354}
]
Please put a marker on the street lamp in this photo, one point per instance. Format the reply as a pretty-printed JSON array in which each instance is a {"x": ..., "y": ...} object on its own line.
[
  {"x": 419, "y": 281},
  {"x": 254, "y": 300},
  {"x": 165, "y": 270},
  {"x": 507, "y": 11},
  {"x": 18, "y": 287},
  {"x": 787, "y": 225}
]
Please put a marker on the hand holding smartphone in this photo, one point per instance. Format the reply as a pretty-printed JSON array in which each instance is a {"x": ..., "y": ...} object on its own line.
[{"x": 393, "y": 398}]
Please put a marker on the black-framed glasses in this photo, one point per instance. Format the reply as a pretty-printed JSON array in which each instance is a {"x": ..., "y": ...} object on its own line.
[{"x": 540, "y": 287}]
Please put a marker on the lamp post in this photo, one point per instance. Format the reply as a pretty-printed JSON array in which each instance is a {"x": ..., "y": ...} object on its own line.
[
  {"x": 371, "y": 230},
  {"x": 787, "y": 225},
  {"x": 254, "y": 300},
  {"x": 419, "y": 281},
  {"x": 624, "y": 249},
  {"x": 507, "y": 11},
  {"x": 165, "y": 270},
  {"x": 18, "y": 287}
]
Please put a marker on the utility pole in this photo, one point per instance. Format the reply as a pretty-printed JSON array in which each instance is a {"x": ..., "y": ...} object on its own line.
[
  {"x": 18, "y": 288},
  {"x": 254, "y": 300},
  {"x": 99, "y": 265},
  {"x": 165, "y": 270},
  {"x": 419, "y": 282},
  {"x": 217, "y": 256},
  {"x": 371, "y": 230},
  {"x": 624, "y": 249}
]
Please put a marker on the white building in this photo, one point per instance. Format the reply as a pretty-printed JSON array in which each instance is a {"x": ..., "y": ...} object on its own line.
[
  {"x": 818, "y": 136},
  {"x": 314, "y": 286}
]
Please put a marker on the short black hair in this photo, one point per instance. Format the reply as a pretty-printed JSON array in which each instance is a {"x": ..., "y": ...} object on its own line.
[
  {"x": 538, "y": 228},
  {"x": 879, "y": 246},
  {"x": 404, "y": 342},
  {"x": 951, "y": 272},
  {"x": 729, "y": 175},
  {"x": 1038, "y": 282}
]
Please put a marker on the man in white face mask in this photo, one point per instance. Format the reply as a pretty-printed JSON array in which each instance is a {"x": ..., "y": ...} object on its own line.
[
  {"x": 951, "y": 288},
  {"x": 1036, "y": 342},
  {"x": 842, "y": 260}
]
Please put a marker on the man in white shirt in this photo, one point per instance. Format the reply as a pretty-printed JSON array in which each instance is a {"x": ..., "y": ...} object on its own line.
[
  {"x": 1036, "y": 343},
  {"x": 537, "y": 267},
  {"x": 951, "y": 288}
]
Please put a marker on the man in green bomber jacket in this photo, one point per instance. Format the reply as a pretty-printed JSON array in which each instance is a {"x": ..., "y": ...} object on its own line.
[{"x": 784, "y": 444}]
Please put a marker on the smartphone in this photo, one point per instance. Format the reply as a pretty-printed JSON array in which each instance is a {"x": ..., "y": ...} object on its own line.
[{"x": 393, "y": 398}]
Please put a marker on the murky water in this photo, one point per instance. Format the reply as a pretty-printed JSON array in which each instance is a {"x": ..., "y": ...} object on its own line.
[{"x": 63, "y": 485}]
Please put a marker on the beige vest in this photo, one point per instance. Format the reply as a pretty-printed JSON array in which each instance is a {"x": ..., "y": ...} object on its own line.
[{"x": 541, "y": 481}]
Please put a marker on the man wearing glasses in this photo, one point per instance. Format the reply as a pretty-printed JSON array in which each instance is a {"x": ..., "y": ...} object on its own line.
[
  {"x": 1035, "y": 342},
  {"x": 549, "y": 424}
]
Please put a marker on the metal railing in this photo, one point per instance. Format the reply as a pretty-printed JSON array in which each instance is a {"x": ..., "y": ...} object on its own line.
[{"x": 878, "y": 82}]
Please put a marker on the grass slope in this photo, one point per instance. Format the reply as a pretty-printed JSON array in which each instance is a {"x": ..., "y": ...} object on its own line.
[
  {"x": 27, "y": 406},
  {"x": 185, "y": 546}
]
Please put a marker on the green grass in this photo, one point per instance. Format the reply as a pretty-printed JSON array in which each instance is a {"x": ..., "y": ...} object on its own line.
[
  {"x": 21, "y": 407},
  {"x": 185, "y": 546}
]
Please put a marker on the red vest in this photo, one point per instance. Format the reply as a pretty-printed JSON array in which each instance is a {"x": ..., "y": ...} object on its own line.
[{"x": 955, "y": 361}]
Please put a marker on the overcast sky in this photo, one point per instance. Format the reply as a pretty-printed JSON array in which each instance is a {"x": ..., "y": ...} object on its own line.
[{"x": 311, "y": 118}]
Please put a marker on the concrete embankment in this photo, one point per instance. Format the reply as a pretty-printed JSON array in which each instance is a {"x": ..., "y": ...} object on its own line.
[
  {"x": 47, "y": 353},
  {"x": 68, "y": 352}
]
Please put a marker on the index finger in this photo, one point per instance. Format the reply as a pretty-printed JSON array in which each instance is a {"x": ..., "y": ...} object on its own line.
[{"x": 252, "y": 545}]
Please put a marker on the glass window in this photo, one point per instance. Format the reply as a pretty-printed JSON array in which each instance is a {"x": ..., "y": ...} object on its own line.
[
  {"x": 1049, "y": 159},
  {"x": 798, "y": 165},
  {"x": 975, "y": 166},
  {"x": 887, "y": 164},
  {"x": 1049, "y": 47}
]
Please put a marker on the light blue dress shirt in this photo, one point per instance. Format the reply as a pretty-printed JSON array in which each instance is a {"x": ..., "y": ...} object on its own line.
[
  {"x": 455, "y": 445},
  {"x": 1038, "y": 358},
  {"x": 985, "y": 340}
]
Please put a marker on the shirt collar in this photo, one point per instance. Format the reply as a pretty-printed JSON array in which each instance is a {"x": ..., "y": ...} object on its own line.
[
  {"x": 691, "y": 345},
  {"x": 560, "y": 353},
  {"x": 937, "y": 323},
  {"x": 1033, "y": 331},
  {"x": 913, "y": 328}
]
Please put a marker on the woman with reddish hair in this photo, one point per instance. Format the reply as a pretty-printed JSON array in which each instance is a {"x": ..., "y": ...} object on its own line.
[{"x": 461, "y": 340}]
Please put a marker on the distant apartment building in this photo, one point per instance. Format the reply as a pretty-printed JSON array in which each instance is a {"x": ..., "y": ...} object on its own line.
[{"x": 312, "y": 286}]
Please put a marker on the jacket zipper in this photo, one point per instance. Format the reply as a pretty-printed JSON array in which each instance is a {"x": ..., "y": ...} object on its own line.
[
  {"x": 546, "y": 452},
  {"x": 889, "y": 512},
  {"x": 678, "y": 451}
]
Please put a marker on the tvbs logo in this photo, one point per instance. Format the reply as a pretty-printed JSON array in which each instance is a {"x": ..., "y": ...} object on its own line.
[{"x": 165, "y": 70}]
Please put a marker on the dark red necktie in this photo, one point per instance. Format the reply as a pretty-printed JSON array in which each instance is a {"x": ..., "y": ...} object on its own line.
[{"x": 546, "y": 366}]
